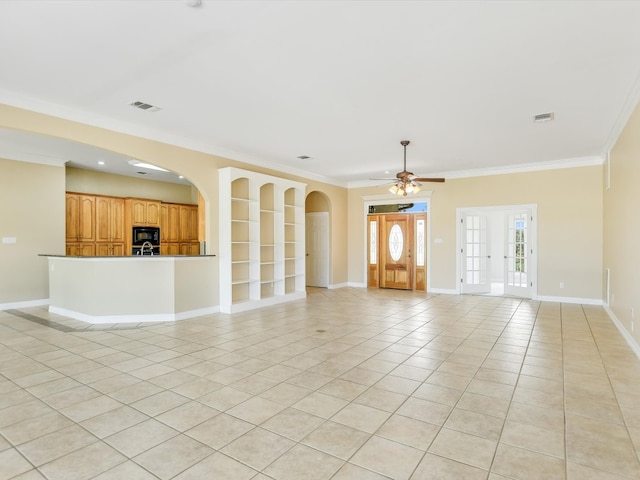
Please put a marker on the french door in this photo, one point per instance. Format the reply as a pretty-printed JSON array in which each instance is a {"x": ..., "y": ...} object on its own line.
[
  {"x": 475, "y": 255},
  {"x": 517, "y": 278},
  {"x": 496, "y": 248}
]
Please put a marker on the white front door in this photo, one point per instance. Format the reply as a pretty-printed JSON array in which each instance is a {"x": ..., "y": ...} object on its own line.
[
  {"x": 475, "y": 255},
  {"x": 517, "y": 279},
  {"x": 317, "y": 249}
]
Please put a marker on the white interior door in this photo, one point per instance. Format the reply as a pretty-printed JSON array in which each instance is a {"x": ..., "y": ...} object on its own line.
[
  {"x": 317, "y": 249},
  {"x": 475, "y": 255},
  {"x": 518, "y": 279}
]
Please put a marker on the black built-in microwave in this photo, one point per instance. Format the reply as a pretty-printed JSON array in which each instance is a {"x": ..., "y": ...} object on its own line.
[{"x": 146, "y": 234}]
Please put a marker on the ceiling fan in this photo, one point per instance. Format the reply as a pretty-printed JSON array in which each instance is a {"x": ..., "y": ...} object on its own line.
[{"x": 405, "y": 181}]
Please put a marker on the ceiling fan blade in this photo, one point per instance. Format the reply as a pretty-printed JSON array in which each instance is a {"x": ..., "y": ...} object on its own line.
[{"x": 421, "y": 179}]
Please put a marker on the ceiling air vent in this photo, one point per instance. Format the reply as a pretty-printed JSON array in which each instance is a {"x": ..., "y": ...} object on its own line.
[
  {"x": 543, "y": 117},
  {"x": 145, "y": 106}
]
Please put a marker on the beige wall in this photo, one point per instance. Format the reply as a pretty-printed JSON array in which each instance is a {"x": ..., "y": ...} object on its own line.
[
  {"x": 621, "y": 227},
  {"x": 201, "y": 169},
  {"x": 569, "y": 207},
  {"x": 31, "y": 211},
  {"x": 569, "y": 201},
  {"x": 316, "y": 202},
  {"x": 99, "y": 183}
]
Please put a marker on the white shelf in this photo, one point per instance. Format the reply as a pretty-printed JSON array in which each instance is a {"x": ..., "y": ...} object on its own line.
[{"x": 261, "y": 240}]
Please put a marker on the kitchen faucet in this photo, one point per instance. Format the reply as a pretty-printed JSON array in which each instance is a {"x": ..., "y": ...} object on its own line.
[{"x": 146, "y": 244}]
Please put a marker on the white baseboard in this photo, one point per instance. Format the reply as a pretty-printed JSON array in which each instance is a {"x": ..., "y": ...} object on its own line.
[
  {"x": 27, "y": 304},
  {"x": 444, "y": 291},
  {"x": 265, "y": 302},
  {"x": 152, "y": 318},
  {"x": 197, "y": 313},
  {"x": 349, "y": 284},
  {"x": 625, "y": 333},
  {"x": 583, "y": 301}
]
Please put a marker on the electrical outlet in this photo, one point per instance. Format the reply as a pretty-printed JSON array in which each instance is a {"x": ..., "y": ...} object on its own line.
[{"x": 561, "y": 284}]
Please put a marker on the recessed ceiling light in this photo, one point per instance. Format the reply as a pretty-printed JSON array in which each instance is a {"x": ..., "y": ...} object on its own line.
[
  {"x": 100, "y": 162},
  {"x": 386, "y": 172},
  {"x": 543, "y": 117},
  {"x": 303, "y": 157},
  {"x": 180, "y": 176},
  {"x": 136, "y": 163}
]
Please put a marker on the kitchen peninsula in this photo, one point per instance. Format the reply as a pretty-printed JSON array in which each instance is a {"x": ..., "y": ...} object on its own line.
[{"x": 133, "y": 289}]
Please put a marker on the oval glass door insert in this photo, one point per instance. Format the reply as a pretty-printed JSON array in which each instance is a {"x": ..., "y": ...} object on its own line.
[{"x": 396, "y": 242}]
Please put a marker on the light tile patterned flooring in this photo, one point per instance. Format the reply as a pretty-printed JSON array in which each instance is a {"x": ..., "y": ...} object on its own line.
[{"x": 347, "y": 384}]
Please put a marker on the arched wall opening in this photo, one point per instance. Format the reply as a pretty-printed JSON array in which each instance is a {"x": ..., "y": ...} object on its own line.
[{"x": 109, "y": 171}]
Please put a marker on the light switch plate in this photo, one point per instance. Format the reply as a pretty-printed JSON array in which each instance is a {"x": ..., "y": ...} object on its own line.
[{"x": 8, "y": 239}]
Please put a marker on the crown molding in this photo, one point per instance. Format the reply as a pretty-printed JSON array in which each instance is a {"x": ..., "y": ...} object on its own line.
[
  {"x": 483, "y": 172},
  {"x": 625, "y": 114},
  {"x": 75, "y": 115},
  {"x": 525, "y": 167},
  {"x": 80, "y": 116},
  {"x": 20, "y": 156}
]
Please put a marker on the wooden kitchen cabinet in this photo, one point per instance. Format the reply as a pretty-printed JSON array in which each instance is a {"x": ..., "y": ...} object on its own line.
[
  {"x": 169, "y": 222},
  {"x": 100, "y": 225},
  {"x": 190, "y": 248},
  {"x": 110, "y": 236},
  {"x": 109, "y": 249},
  {"x": 143, "y": 212},
  {"x": 109, "y": 219},
  {"x": 79, "y": 249},
  {"x": 179, "y": 229},
  {"x": 80, "y": 217},
  {"x": 188, "y": 223},
  {"x": 172, "y": 248}
]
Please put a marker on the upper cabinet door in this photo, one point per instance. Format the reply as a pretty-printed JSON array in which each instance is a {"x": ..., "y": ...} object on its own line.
[
  {"x": 103, "y": 219},
  {"x": 73, "y": 218},
  {"x": 145, "y": 212},
  {"x": 80, "y": 219},
  {"x": 87, "y": 226},
  {"x": 153, "y": 214},
  {"x": 116, "y": 220}
]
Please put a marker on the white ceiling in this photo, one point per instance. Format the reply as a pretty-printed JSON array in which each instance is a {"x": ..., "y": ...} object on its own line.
[{"x": 340, "y": 81}]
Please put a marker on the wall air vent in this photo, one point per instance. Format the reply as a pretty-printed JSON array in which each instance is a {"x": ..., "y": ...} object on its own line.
[
  {"x": 145, "y": 106},
  {"x": 543, "y": 117}
]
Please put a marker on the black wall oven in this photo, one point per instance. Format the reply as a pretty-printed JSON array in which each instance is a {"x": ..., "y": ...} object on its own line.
[{"x": 146, "y": 234}]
